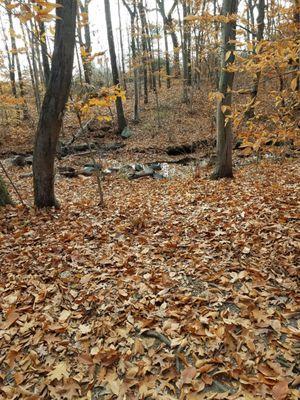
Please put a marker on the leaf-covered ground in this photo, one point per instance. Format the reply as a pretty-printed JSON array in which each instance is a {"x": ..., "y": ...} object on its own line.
[{"x": 177, "y": 289}]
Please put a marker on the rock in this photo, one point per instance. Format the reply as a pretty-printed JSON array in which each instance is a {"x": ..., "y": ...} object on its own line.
[
  {"x": 83, "y": 147},
  {"x": 147, "y": 170},
  {"x": 88, "y": 171},
  {"x": 112, "y": 146},
  {"x": 127, "y": 170},
  {"x": 141, "y": 174},
  {"x": 29, "y": 160},
  {"x": 28, "y": 175},
  {"x": 126, "y": 133},
  {"x": 158, "y": 176},
  {"x": 138, "y": 167},
  {"x": 18, "y": 161},
  {"x": 68, "y": 172},
  {"x": 96, "y": 166},
  {"x": 155, "y": 166}
]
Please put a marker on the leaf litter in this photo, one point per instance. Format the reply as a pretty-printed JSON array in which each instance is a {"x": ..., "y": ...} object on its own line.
[{"x": 177, "y": 289}]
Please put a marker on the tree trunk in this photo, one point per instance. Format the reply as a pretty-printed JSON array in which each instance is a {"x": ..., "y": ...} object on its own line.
[
  {"x": 145, "y": 50},
  {"x": 133, "y": 13},
  {"x": 249, "y": 113},
  {"x": 43, "y": 43},
  {"x": 5, "y": 198},
  {"x": 121, "y": 46},
  {"x": 84, "y": 8},
  {"x": 115, "y": 73},
  {"x": 56, "y": 96},
  {"x": 15, "y": 57},
  {"x": 170, "y": 28},
  {"x": 223, "y": 168}
]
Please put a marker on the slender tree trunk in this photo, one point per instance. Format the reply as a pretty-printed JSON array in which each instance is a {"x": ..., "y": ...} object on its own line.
[
  {"x": 33, "y": 82},
  {"x": 223, "y": 168},
  {"x": 15, "y": 57},
  {"x": 11, "y": 65},
  {"x": 145, "y": 51},
  {"x": 113, "y": 60},
  {"x": 132, "y": 46},
  {"x": 44, "y": 50},
  {"x": 55, "y": 99},
  {"x": 167, "y": 59},
  {"x": 84, "y": 7},
  {"x": 121, "y": 45},
  {"x": 249, "y": 113}
]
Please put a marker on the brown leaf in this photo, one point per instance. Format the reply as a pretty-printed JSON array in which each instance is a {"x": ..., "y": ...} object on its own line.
[{"x": 280, "y": 390}]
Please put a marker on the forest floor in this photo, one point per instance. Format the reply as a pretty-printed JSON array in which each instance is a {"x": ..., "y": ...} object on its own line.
[{"x": 181, "y": 288}]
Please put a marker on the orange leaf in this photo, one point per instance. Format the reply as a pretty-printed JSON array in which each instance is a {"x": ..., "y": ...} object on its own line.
[{"x": 280, "y": 390}]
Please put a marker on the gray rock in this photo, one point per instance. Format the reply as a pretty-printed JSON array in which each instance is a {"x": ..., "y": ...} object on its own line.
[
  {"x": 88, "y": 171},
  {"x": 96, "y": 166},
  {"x": 18, "y": 161},
  {"x": 155, "y": 166},
  {"x": 29, "y": 160},
  {"x": 158, "y": 176},
  {"x": 68, "y": 172},
  {"x": 147, "y": 170},
  {"x": 138, "y": 167},
  {"x": 28, "y": 175},
  {"x": 126, "y": 133}
]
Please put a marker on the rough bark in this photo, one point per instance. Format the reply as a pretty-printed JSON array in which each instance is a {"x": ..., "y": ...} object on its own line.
[
  {"x": 114, "y": 67},
  {"x": 55, "y": 99},
  {"x": 223, "y": 168}
]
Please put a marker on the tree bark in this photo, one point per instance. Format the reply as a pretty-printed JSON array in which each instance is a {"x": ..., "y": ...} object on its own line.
[
  {"x": 133, "y": 13},
  {"x": 145, "y": 50},
  {"x": 223, "y": 168},
  {"x": 115, "y": 73},
  {"x": 43, "y": 43},
  {"x": 249, "y": 113},
  {"x": 5, "y": 198},
  {"x": 55, "y": 99},
  {"x": 169, "y": 28}
]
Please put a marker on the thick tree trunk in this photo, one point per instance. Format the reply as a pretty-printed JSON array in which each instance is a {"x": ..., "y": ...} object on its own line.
[
  {"x": 56, "y": 96},
  {"x": 223, "y": 168},
  {"x": 5, "y": 198},
  {"x": 115, "y": 73}
]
